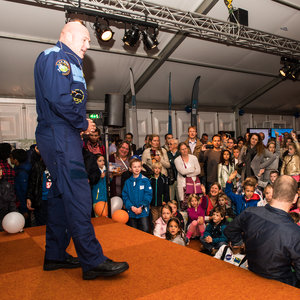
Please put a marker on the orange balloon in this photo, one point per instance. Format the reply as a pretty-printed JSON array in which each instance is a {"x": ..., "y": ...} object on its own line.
[
  {"x": 101, "y": 209},
  {"x": 120, "y": 216}
]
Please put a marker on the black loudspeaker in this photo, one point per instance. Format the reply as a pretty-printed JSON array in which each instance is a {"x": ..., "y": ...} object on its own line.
[
  {"x": 114, "y": 110},
  {"x": 241, "y": 16}
]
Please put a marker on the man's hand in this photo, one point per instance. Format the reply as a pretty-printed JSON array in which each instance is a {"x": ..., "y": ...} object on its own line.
[
  {"x": 91, "y": 127},
  {"x": 208, "y": 239},
  {"x": 28, "y": 204}
]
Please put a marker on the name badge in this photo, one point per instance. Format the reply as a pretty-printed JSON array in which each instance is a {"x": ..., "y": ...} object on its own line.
[{"x": 141, "y": 187}]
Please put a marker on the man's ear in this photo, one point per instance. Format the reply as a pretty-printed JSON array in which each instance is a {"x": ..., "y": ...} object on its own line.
[
  {"x": 295, "y": 199},
  {"x": 69, "y": 37}
]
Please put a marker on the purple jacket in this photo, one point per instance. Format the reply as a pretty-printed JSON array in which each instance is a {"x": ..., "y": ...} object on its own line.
[{"x": 193, "y": 214}]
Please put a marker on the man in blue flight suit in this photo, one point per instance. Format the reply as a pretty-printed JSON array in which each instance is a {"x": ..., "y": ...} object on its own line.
[{"x": 61, "y": 98}]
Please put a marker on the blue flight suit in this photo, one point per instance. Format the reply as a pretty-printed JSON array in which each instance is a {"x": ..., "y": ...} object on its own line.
[{"x": 60, "y": 102}]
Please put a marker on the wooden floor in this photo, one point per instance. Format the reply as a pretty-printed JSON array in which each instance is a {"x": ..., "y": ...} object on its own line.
[{"x": 158, "y": 269}]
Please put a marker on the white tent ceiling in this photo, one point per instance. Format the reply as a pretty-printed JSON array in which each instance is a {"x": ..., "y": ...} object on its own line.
[{"x": 229, "y": 75}]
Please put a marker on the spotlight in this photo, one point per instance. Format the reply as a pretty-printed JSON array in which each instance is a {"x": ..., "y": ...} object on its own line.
[
  {"x": 150, "y": 40},
  {"x": 295, "y": 73},
  {"x": 131, "y": 36},
  {"x": 103, "y": 32},
  {"x": 285, "y": 71}
]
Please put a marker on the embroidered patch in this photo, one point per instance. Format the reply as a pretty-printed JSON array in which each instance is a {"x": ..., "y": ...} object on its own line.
[
  {"x": 63, "y": 67},
  {"x": 228, "y": 257},
  {"x": 78, "y": 96}
]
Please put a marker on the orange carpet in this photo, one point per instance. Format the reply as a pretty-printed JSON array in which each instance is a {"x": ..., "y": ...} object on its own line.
[{"x": 158, "y": 269}]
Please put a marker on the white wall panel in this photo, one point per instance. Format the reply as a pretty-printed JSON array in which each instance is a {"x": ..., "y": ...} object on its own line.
[
  {"x": 30, "y": 121},
  {"x": 289, "y": 121},
  {"x": 183, "y": 121},
  {"x": 258, "y": 121},
  {"x": 245, "y": 122},
  {"x": 160, "y": 121},
  {"x": 226, "y": 121},
  {"x": 208, "y": 123},
  {"x": 11, "y": 122},
  {"x": 144, "y": 125}
]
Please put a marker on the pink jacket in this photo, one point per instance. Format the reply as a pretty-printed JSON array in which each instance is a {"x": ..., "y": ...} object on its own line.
[{"x": 160, "y": 228}]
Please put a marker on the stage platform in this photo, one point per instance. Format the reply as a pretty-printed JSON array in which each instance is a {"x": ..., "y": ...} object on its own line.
[{"x": 158, "y": 269}]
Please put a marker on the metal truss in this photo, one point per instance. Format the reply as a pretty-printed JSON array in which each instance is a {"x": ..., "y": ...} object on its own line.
[{"x": 192, "y": 23}]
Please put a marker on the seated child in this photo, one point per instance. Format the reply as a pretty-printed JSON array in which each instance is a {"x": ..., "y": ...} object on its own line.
[
  {"x": 137, "y": 195},
  {"x": 196, "y": 215},
  {"x": 223, "y": 201},
  {"x": 161, "y": 223},
  {"x": 214, "y": 237},
  {"x": 268, "y": 192},
  {"x": 160, "y": 190},
  {"x": 99, "y": 192},
  {"x": 234, "y": 255},
  {"x": 248, "y": 199},
  {"x": 175, "y": 212},
  {"x": 174, "y": 232}
]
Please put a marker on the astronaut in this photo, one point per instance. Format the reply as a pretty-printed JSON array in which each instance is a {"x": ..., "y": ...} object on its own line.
[{"x": 60, "y": 102}]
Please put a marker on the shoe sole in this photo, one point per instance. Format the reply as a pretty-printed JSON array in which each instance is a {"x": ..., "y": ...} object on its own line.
[
  {"x": 94, "y": 274},
  {"x": 57, "y": 267}
]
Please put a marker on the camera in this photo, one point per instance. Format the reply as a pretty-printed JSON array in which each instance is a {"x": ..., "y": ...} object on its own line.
[{"x": 209, "y": 146}]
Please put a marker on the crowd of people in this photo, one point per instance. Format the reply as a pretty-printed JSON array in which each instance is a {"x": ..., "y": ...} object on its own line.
[{"x": 177, "y": 191}]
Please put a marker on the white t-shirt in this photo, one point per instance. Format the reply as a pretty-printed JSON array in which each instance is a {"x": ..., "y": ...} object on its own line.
[{"x": 234, "y": 259}]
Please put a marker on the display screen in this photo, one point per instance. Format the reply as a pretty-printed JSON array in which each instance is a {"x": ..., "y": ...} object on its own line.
[
  {"x": 266, "y": 132},
  {"x": 281, "y": 131}
]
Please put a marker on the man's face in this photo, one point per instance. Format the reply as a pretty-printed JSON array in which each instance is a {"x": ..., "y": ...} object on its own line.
[
  {"x": 168, "y": 138},
  {"x": 192, "y": 133},
  {"x": 230, "y": 144},
  {"x": 216, "y": 142},
  {"x": 204, "y": 139},
  {"x": 80, "y": 41},
  {"x": 173, "y": 146},
  {"x": 128, "y": 138}
]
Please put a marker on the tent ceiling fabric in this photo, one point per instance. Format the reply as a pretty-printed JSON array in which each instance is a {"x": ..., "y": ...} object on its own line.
[{"x": 26, "y": 30}]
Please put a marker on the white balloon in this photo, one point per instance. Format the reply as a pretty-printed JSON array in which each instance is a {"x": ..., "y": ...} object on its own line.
[
  {"x": 13, "y": 222},
  {"x": 116, "y": 204}
]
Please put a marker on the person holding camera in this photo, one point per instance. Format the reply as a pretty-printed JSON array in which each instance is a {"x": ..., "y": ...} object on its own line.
[{"x": 210, "y": 155}]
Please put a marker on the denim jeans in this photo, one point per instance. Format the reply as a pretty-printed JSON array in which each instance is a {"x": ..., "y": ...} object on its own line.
[{"x": 139, "y": 223}]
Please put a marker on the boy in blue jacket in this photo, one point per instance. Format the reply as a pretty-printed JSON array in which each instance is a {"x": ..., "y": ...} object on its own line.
[
  {"x": 241, "y": 202},
  {"x": 137, "y": 195}
]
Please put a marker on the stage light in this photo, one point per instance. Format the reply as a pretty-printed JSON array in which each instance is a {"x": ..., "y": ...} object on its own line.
[
  {"x": 285, "y": 71},
  {"x": 103, "y": 32},
  {"x": 295, "y": 73},
  {"x": 131, "y": 36},
  {"x": 150, "y": 40}
]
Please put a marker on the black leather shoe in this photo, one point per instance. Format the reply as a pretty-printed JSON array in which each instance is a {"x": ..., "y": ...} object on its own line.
[
  {"x": 69, "y": 263},
  {"x": 107, "y": 268}
]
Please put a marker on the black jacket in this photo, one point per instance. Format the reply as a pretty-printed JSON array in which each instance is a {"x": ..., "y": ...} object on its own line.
[
  {"x": 272, "y": 242},
  {"x": 7, "y": 199},
  {"x": 35, "y": 183},
  {"x": 160, "y": 189}
]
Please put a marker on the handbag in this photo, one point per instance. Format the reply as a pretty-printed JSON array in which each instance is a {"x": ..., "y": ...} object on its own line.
[
  {"x": 193, "y": 187},
  {"x": 171, "y": 176}
]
